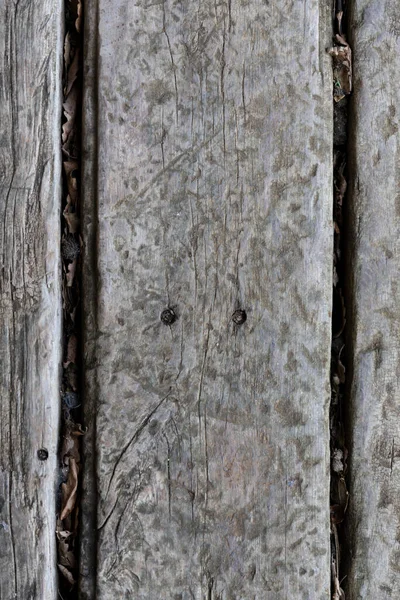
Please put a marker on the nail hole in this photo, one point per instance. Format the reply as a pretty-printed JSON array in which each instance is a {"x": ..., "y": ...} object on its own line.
[
  {"x": 168, "y": 316},
  {"x": 239, "y": 316},
  {"x": 42, "y": 454}
]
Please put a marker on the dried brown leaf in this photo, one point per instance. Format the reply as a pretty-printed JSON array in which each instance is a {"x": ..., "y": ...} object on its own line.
[
  {"x": 342, "y": 68},
  {"x": 67, "y": 51},
  {"x": 71, "y": 272},
  {"x": 78, "y": 22},
  {"x": 337, "y": 461},
  {"x": 69, "y": 489},
  {"x": 62, "y": 534},
  {"x": 71, "y": 377},
  {"x": 75, "y": 521},
  {"x": 71, "y": 169},
  {"x": 78, "y": 430},
  {"x": 70, "y": 446},
  {"x": 66, "y": 556},
  {"x": 337, "y": 514},
  {"x": 72, "y": 350},
  {"x": 72, "y": 73},
  {"x": 343, "y": 494},
  {"x": 70, "y": 107},
  {"x": 73, "y": 221},
  {"x": 67, "y": 574}
]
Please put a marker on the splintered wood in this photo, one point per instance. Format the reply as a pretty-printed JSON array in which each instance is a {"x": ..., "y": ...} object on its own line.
[{"x": 209, "y": 192}]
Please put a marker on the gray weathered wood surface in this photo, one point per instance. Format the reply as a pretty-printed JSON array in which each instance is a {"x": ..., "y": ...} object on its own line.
[
  {"x": 30, "y": 297},
  {"x": 375, "y": 198},
  {"x": 211, "y": 190}
]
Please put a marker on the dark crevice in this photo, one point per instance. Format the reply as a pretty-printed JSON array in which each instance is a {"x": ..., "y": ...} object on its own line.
[
  {"x": 350, "y": 237},
  {"x": 339, "y": 495},
  {"x": 71, "y": 430},
  {"x": 90, "y": 276}
]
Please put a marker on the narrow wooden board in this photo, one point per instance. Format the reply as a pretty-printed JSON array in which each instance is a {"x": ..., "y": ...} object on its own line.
[
  {"x": 375, "y": 262},
  {"x": 30, "y": 297},
  {"x": 211, "y": 191}
]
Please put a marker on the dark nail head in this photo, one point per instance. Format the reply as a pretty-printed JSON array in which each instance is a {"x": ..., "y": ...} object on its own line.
[
  {"x": 239, "y": 317},
  {"x": 42, "y": 454},
  {"x": 168, "y": 316}
]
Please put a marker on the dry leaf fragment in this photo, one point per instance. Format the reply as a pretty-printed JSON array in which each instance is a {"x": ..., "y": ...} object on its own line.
[
  {"x": 78, "y": 21},
  {"x": 67, "y": 574},
  {"x": 71, "y": 377},
  {"x": 73, "y": 221},
  {"x": 62, "y": 534},
  {"x": 72, "y": 73},
  {"x": 343, "y": 494},
  {"x": 337, "y": 461},
  {"x": 69, "y": 489},
  {"x": 66, "y": 556},
  {"x": 70, "y": 111},
  {"x": 342, "y": 68},
  {"x": 337, "y": 514},
  {"x": 71, "y": 272},
  {"x": 70, "y": 446},
  {"x": 72, "y": 349},
  {"x": 71, "y": 170},
  {"x": 67, "y": 51}
]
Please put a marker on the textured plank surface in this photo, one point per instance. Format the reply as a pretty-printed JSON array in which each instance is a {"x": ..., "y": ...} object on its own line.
[
  {"x": 30, "y": 54},
  {"x": 213, "y": 192},
  {"x": 375, "y": 401}
]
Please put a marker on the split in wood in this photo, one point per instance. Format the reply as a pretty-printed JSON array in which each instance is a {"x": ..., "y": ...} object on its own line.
[{"x": 339, "y": 496}]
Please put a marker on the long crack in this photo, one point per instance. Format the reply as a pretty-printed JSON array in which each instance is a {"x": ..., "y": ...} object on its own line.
[
  {"x": 71, "y": 244},
  {"x": 339, "y": 496}
]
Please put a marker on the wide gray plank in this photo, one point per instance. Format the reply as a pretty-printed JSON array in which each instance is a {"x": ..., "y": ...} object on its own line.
[
  {"x": 211, "y": 191},
  {"x": 30, "y": 298},
  {"x": 375, "y": 262}
]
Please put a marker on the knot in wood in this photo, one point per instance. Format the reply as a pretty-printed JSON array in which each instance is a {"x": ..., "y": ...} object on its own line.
[
  {"x": 43, "y": 454},
  {"x": 239, "y": 316},
  {"x": 168, "y": 316}
]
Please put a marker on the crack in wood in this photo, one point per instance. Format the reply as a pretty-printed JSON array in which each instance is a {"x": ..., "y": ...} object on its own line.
[{"x": 338, "y": 493}]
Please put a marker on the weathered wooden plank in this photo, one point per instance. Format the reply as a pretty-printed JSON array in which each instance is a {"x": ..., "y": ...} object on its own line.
[
  {"x": 375, "y": 409},
  {"x": 214, "y": 193},
  {"x": 30, "y": 299}
]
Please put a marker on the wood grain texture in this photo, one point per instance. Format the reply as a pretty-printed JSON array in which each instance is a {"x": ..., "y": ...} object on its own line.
[
  {"x": 213, "y": 192},
  {"x": 30, "y": 298},
  {"x": 375, "y": 398}
]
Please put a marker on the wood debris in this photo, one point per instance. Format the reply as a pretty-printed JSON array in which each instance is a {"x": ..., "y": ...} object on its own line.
[
  {"x": 71, "y": 245},
  {"x": 339, "y": 496}
]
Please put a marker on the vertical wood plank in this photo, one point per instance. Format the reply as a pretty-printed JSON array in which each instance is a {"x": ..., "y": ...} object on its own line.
[
  {"x": 213, "y": 193},
  {"x": 375, "y": 208},
  {"x": 30, "y": 299}
]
